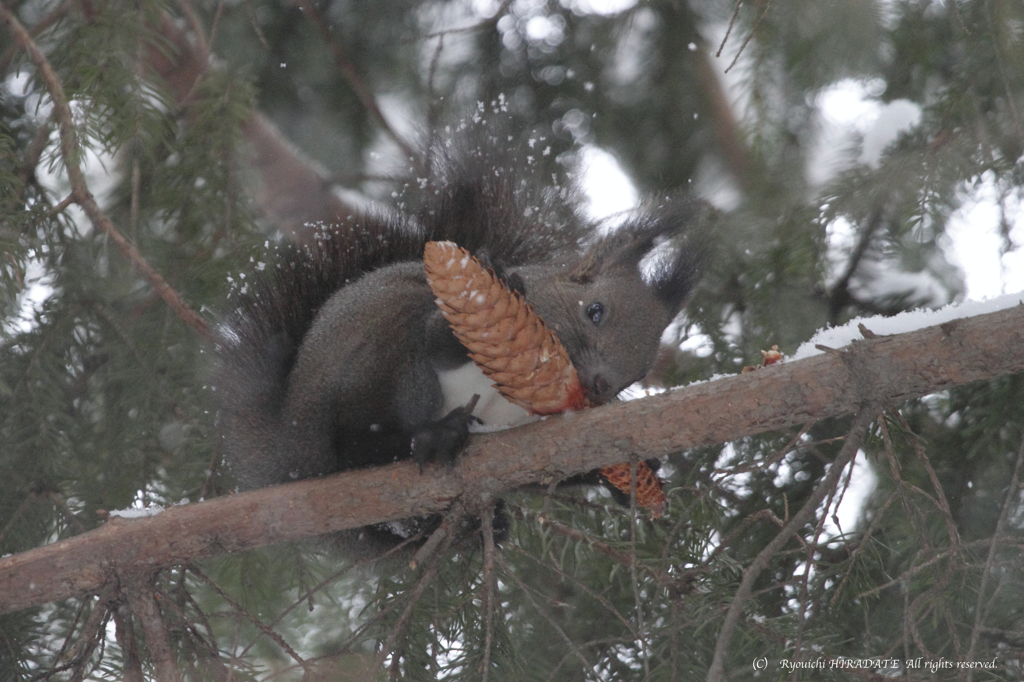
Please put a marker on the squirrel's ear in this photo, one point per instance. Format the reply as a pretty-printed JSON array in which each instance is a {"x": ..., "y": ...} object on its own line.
[
  {"x": 676, "y": 231},
  {"x": 622, "y": 249},
  {"x": 674, "y": 272}
]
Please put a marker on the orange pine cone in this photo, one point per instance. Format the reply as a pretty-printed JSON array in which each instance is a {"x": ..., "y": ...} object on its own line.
[
  {"x": 516, "y": 350},
  {"x": 501, "y": 331},
  {"x": 649, "y": 494}
]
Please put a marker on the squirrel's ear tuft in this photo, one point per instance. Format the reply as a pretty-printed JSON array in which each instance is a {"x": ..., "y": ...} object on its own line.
[
  {"x": 675, "y": 267},
  {"x": 588, "y": 267},
  {"x": 667, "y": 243}
]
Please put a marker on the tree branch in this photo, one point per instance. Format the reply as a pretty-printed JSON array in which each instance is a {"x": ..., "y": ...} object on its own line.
[
  {"x": 142, "y": 602},
  {"x": 79, "y": 188},
  {"x": 881, "y": 370},
  {"x": 293, "y": 191}
]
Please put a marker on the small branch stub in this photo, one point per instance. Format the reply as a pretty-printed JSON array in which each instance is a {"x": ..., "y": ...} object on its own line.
[
  {"x": 769, "y": 357},
  {"x": 511, "y": 344}
]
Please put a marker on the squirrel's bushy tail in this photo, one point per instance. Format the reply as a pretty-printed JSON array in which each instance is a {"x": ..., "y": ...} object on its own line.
[{"x": 480, "y": 193}]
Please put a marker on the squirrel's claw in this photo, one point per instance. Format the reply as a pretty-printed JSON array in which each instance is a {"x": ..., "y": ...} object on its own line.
[{"x": 444, "y": 439}]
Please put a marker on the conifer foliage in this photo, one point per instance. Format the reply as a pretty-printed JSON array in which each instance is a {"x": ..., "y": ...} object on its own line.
[{"x": 152, "y": 153}]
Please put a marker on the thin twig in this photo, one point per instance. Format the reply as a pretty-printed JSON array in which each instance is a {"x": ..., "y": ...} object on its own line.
[
  {"x": 828, "y": 482},
  {"x": 894, "y": 466},
  {"x": 1001, "y": 68},
  {"x": 79, "y": 188},
  {"x": 210, "y": 640},
  {"x": 91, "y": 635},
  {"x": 34, "y": 152},
  {"x": 809, "y": 552},
  {"x": 935, "y": 558},
  {"x": 46, "y": 22},
  {"x": 194, "y": 23},
  {"x": 728, "y": 31},
  {"x": 839, "y": 293},
  {"x": 839, "y": 502},
  {"x": 438, "y": 535},
  {"x": 750, "y": 35},
  {"x": 980, "y": 609},
  {"x": 490, "y": 587},
  {"x": 940, "y": 495},
  {"x": 663, "y": 579},
  {"x": 634, "y": 579},
  {"x": 348, "y": 70},
  {"x": 358, "y": 632},
  {"x": 865, "y": 538},
  {"x": 761, "y": 465},
  {"x": 912, "y": 623},
  {"x": 603, "y": 601},
  {"x": 743, "y": 525},
  {"x": 308, "y": 595},
  {"x": 125, "y": 635},
  {"x": 525, "y": 591},
  {"x": 435, "y": 99},
  {"x": 266, "y": 629},
  {"x": 484, "y": 25},
  {"x": 58, "y": 208},
  {"x": 426, "y": 579}
]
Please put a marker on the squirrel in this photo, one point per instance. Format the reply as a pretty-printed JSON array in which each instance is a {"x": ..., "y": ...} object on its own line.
[{"x": 338, "y": 358}]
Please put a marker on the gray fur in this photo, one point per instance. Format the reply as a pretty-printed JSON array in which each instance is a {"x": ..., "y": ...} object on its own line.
[{"x": 332, "y": 361}]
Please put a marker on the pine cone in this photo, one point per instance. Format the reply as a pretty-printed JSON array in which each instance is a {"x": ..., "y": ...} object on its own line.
[
  {"x": 649, "y": 494},
  {"x": 516, "y": 350},
  {"x": 501, "y": 331}
]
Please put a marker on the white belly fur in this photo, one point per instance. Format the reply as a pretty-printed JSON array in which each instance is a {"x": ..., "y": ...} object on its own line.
[{"x": 459, "y": 386}]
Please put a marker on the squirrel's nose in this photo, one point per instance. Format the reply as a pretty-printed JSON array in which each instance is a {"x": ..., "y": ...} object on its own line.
[{"x": 599, "y": 389}]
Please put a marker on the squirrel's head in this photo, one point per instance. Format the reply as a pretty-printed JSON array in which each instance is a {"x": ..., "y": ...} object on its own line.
[{"x": 610, "y": 308}]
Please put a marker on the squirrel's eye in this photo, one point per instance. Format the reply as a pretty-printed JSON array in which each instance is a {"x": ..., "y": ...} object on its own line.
[{"x": 595, "y": 311}]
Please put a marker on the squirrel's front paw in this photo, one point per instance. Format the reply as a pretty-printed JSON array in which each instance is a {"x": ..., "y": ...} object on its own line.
[{"x": 443, "y": 440}]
